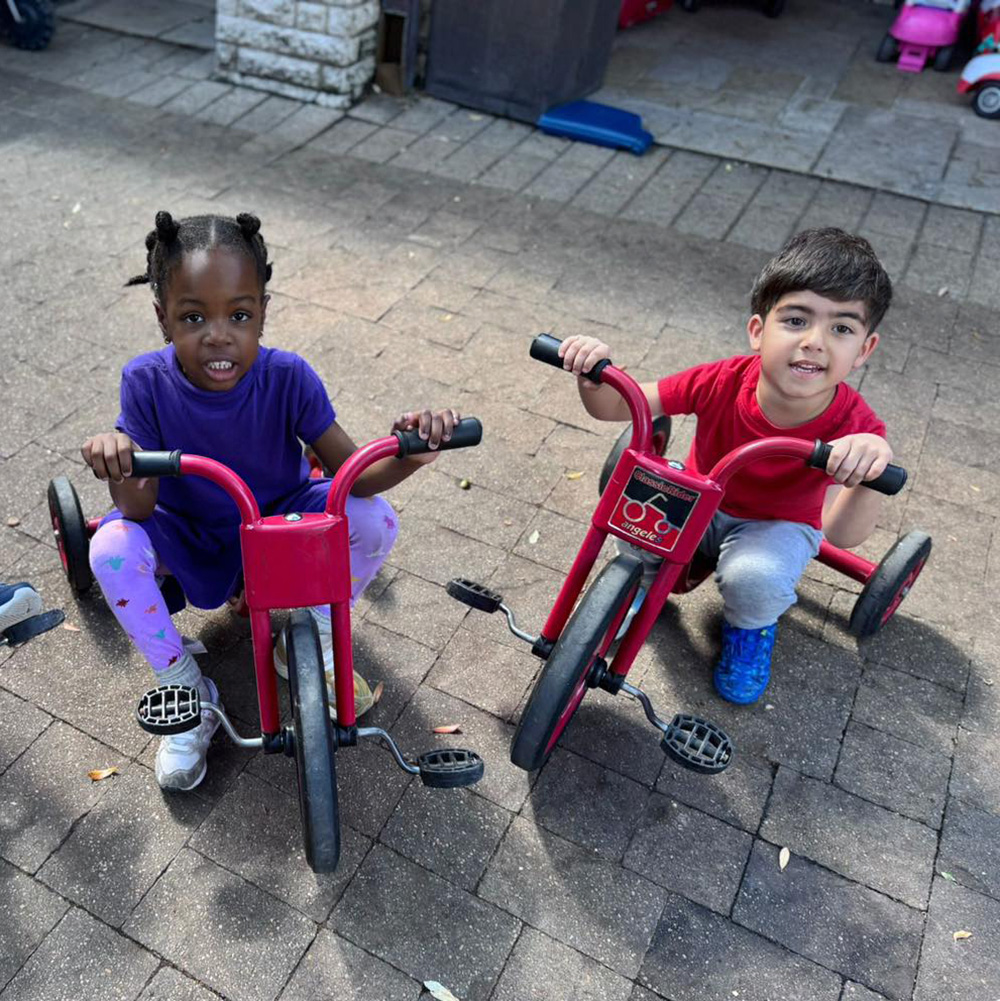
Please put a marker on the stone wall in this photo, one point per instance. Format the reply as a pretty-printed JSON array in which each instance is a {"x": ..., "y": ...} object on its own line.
[{"x": 311, "y": 51}]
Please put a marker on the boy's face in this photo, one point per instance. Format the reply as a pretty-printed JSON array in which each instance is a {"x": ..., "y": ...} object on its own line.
[
  {"x": 808, "y": 345},
  {"x": 213, "y": 313}
]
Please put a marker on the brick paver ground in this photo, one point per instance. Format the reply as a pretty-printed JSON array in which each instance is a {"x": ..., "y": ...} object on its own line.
[{"x": 611, "y": 874}]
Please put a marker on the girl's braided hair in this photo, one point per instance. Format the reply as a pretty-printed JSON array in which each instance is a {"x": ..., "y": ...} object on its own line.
[{"x": 171, "y": 239}]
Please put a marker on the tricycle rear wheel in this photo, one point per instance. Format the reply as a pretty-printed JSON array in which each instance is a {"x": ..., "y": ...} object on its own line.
[
  {"x": 661, "y": 438},
  {"x": 889, "y": 584},
  {"x": 70, "y": 530},
  {"x": 563, "y": 682},
  {"x": 314, "y": 744}
]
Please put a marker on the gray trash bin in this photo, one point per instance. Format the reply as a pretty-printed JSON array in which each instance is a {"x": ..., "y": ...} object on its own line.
[{"x": 518, "y": 57}]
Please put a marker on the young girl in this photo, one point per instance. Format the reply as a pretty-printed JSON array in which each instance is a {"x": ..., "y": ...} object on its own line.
[{"x": 214, "y": 390}]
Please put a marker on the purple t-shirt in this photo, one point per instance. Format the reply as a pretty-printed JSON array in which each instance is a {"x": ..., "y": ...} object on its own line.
[{"x": 256, "y": 428}]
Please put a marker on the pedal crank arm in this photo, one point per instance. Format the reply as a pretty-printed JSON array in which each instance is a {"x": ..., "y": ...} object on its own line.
[
  {"x": 249, "y": 742},
  {"x": 513, "y": 627},
  {"x": 377, "y": 731},
  {"x": 484, "y": 600},
  {"x": 647, "y": 706}
]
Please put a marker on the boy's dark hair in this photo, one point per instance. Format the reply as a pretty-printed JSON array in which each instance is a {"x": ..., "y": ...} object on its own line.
[
  {"x": 171, "y": 239},
  {"x": 831, "y": 263}
]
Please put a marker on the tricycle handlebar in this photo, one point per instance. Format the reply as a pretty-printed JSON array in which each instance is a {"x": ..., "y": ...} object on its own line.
[
  {"x": 890, "y": 481},
  {"x": 148, "y": 464},
  {"x": 468, "y": 431},
  {"x": 545, "y": 348}
]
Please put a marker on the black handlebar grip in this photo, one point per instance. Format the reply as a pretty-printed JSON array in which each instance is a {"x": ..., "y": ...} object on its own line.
[
  {"x": 468, "y": 431},
  {"x": 890, "y": 481},
  {"x": 145, "y": 464},
  {"x": 545, "y": 348}
]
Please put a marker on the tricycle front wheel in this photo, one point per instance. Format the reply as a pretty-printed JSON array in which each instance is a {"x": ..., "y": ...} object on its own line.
[
  {"x": 661, "y": 438},
  {"x": 314, "y": 744},
  {"x": 890, "y": 584},
  {"x": 563, "y": 682}
]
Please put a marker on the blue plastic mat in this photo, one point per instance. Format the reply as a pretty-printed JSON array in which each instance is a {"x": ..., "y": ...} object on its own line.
[{"x": 598, "y": 124}]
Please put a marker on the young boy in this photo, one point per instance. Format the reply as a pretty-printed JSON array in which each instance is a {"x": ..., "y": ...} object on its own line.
[{"x": 816, "y": 309}]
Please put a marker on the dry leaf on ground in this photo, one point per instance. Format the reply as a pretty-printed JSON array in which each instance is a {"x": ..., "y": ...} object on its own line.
[
  {"x": 438, "y": 991},
  {"x": 533, "y": 538},
  {"x": 377, "y": 693},
  {"x": 783, "y": 856},
  {"x": 13, "y": 522},
  {"x": 573, "y": 476},
  {"x": 70, "y": 627},
  {"x": 97, "y": 774},
  {"x": 957, "y": 935},
  {"x": 450, "y": 728},
  {"x": 465, "y": 484}
]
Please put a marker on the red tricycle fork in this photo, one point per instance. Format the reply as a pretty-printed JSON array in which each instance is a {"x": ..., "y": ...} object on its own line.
[{"x": 296, "y": 561}]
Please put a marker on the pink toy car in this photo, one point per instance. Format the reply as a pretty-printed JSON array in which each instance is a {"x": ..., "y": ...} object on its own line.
[
  {"x": 981, "y": 76},
  {"x": 924, "y": 29}
]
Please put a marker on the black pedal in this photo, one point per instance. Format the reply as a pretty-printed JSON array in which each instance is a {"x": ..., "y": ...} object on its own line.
[
  {"x": 697, "y": 744},
  {"x": 450, "y": 767},
  {"x": 169, "y": 709},
  {"x": 475, "y": 595}
]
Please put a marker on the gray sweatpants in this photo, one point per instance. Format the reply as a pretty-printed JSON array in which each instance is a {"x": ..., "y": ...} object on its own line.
[{"x": 759, "y": 565}]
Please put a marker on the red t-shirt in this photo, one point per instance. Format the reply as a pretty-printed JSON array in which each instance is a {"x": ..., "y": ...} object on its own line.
[{"x": 723, "y": 395}]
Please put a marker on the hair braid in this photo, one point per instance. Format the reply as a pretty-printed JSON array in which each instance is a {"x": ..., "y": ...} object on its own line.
[{"x": 171, "y": 239}]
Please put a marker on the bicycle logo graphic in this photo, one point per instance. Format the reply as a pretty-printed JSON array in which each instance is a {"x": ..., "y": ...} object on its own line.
[{"x": 638, "y": 511}]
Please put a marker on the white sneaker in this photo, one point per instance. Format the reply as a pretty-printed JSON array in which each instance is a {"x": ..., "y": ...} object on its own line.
[
  {"x": 181, "y": 759},
  {"x": 363, "y": 697},
  {"x": 17, "y": 603}
]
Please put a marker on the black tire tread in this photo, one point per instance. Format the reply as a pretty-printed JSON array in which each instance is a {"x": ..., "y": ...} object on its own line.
[
  {"x": 314, "y": 744},
  {"x": 896, "y": 565},
  {"x": 888, "y": 50},
  {"x": 661, "y": 425},
  {"x": 585, "y": 629},
  {"x": 64, "y": 505}
]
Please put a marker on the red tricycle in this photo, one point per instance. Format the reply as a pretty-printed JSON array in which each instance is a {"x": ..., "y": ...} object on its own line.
[
  {"x": 660, "y": 506},
  {"x": 289, "y": 561}
]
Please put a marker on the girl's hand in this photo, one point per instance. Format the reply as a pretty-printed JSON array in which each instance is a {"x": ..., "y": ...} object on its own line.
[
  {"x": 581, "y": 354},
  {"x": 856, "y": 458},
  {"x": 109, "y": 455},
  {"x": 434, "y": 428}
]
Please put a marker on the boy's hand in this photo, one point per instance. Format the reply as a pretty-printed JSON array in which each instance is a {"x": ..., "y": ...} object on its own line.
[
  {"x": 434, "y": 428},
  {"x": 581, "y": 354},
  {"x": 856, "y": 458},
  {"x": 109, "y": 455}
]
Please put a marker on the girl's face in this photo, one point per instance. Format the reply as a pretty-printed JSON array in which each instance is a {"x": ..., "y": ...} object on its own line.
[{"x": 213, "y": 314}]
